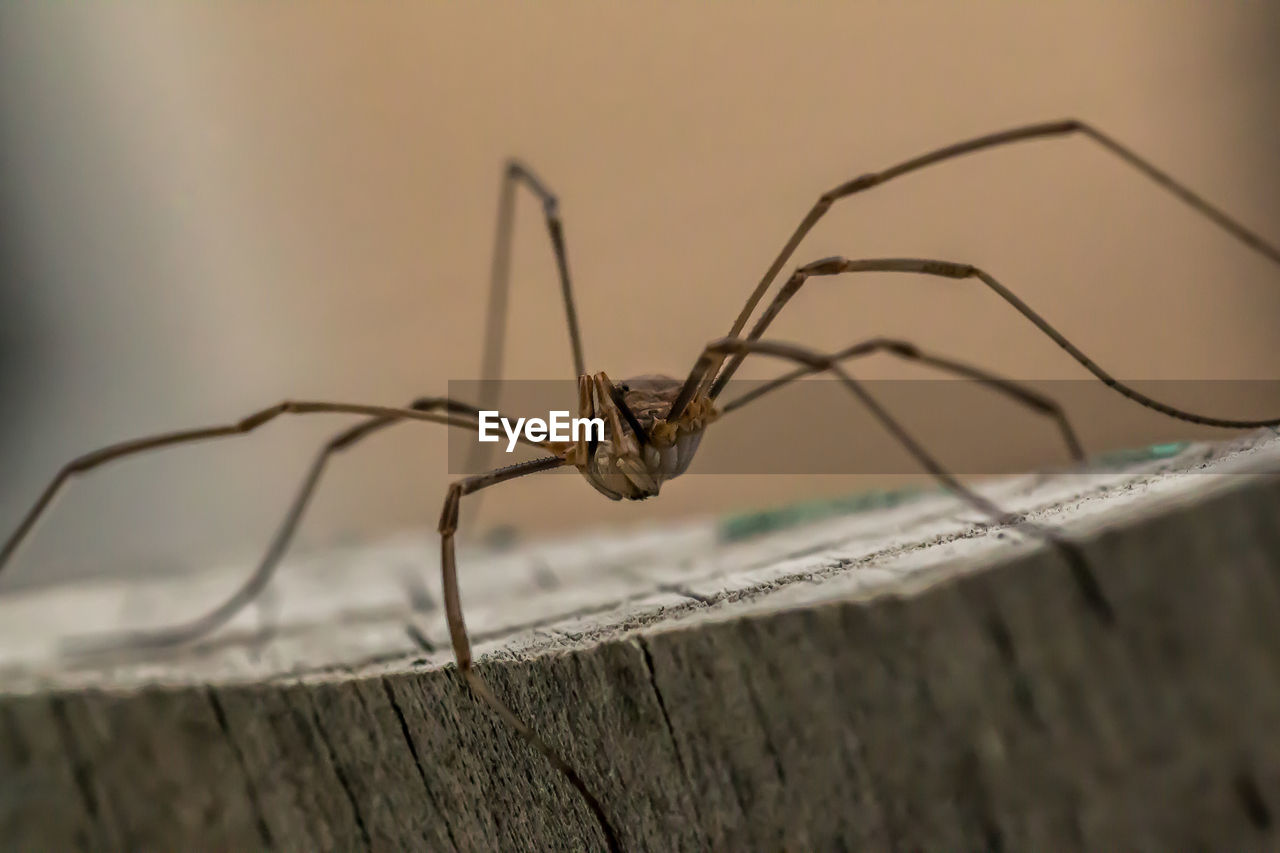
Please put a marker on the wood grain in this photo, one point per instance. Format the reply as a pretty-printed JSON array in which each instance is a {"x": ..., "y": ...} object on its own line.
[{"x": 901, "y": 678}]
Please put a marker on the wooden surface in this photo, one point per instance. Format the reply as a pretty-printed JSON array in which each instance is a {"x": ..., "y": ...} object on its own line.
[{"x": 902, "y": 678}]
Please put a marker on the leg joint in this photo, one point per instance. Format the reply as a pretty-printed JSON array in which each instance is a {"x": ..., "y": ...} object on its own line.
[
  {"x": 824, "y": 266},
  {"x": 899, "y": 347},
  {"x": 449, "y": 514},
  {"x": 858, "y": 184},
  {"x": 257, "y": 419},
  {"x": 949, "y": 269}
]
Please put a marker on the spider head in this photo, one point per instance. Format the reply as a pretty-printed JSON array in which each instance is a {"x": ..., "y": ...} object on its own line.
[{"x": 640, "y": 449}]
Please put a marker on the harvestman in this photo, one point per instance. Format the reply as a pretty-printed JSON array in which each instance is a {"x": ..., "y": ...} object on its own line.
[{"x": 654, "y": 423}]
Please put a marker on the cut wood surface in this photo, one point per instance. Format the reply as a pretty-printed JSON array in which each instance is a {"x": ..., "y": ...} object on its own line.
[{"x": 901, "y": 678}]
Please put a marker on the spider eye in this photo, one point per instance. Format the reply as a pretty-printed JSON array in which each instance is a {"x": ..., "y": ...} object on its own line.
[{"x": 624, "y": 388}]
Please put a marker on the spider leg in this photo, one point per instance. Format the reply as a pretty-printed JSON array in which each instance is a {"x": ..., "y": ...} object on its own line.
[
  {"x": 500, "y": 273},
  {"x": 950, "y": 269},
  {"x": 254, "y": 585},
  {"x": 902, "y": 349},
  {"x": 92, "y": 460},
  {"x": 458, "y": 629},
  {"x": 514, "y": 174},
  {"x": 1091, "y": 591},
  {"x": 1042, "y": 130}
]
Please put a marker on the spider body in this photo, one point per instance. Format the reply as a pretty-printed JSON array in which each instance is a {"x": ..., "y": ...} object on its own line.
[{"x": 641, "y": 449}]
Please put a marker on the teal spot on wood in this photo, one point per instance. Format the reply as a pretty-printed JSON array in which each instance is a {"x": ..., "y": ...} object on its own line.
[{"x": 745, "y": 525}]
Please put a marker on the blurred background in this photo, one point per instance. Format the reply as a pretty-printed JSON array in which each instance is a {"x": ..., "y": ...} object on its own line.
[{"x": 211, "y": 207}]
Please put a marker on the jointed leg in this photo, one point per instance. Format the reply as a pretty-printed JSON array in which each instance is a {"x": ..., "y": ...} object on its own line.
[
  {"x": 116, "y": 451},
  {"x": 500, "y": 274},
  {"x": 458, "y": 629},
  {"x": 902, "y": 349},
  {"x": 816, "y": 361},
  {"x": 994, "y": 140},
  {"x": 500, "y": 289},
  {"x": 449, "y": 526},
  {"x": 254, "y": 585},
  {"x": 949, "y": 269}
]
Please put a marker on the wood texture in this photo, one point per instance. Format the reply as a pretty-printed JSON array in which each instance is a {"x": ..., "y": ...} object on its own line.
[{"x": 898, "y": 679}]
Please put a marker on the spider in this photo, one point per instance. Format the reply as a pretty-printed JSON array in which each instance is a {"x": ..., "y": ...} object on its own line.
[{"x": 654, "y": 424}]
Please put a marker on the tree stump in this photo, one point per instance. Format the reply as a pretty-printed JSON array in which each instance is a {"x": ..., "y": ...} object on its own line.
[{"x": 903, "y": 677}]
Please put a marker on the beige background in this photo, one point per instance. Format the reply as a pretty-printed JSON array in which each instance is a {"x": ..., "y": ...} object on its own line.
[{"x": 221, "y": 205}]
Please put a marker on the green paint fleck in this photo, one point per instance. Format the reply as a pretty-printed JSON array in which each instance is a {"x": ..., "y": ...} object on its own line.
[
  {"x": 746, "y": 525},
  {"x": 1142, "y": 454},
  {"x": 735, "y": 528}
]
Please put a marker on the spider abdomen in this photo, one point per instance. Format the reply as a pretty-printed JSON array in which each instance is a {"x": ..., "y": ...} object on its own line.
[{"x": 641, "y": 449}]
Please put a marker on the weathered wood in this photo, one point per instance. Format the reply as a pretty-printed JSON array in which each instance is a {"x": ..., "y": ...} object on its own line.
[{"x": 902, "y": 678}]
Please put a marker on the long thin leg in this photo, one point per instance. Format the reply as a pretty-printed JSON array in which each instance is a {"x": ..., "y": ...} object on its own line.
[
  {"x": 99, "y": 457},
  {"x": 1081, "y": 573},
  {"x": 458, "y": 629},
  {"x": 500, "y": 288},
  {"x": 254, "y": 585},
  {"x": 516, "y": 172},
  {"x": 902, "y": 349},
  {"x": 1018, "y": 134},
  {"x": 949, "y": 269},
  {"x": 707, "y": 364},
  {"x": 500, "y": 273}
]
